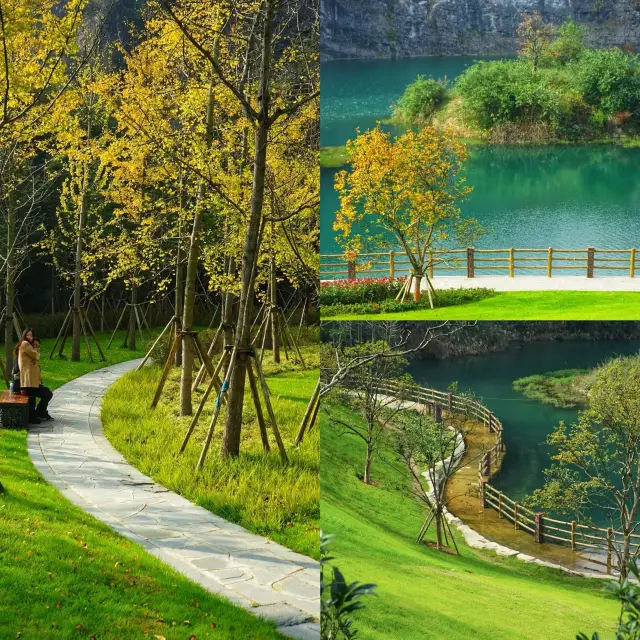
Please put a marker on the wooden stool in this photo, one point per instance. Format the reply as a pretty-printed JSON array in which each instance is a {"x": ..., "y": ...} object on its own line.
[{"x": 14, "y": 410}]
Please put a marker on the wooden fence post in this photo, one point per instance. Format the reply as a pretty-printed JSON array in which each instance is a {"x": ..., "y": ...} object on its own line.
[
  {"x": 632, "y": 264},
  {"x": 511, "y": 266},
  {"x": 392, "y": 266},
  {"x": 549, "y": 262},
  {"x": 515, "y": 515},
  {"x": 609, "y": 547},
  {"x": 500, "y": 504},
  {"x": 490, "y": 424},
  {"x": 483, "y": 494},
  {"x": 539, "y": 525},
  {"x": 351, "y": 269},
  {"x": 573, "y": 534},
  {"x": 437, "y": 413},
  {"x": 487, "y": 465},
  {"x": 470, "y": 265},
  {"x": 591, "y": 254}
]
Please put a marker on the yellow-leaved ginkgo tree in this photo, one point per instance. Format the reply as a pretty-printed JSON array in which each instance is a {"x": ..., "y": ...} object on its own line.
[{"x": 405, "y": 192}]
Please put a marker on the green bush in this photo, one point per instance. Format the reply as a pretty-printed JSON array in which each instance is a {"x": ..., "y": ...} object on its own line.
[
  {"x": 444, "y": 298},
  {"x": 359, "y": 291},
  {"x": 421, "y": 99},
  {"x": 568, "y": 45},
  {"x": 610, "y": 81}
]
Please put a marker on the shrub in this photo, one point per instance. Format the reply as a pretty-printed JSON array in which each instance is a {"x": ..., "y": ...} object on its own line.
[
  {"x": 359, "y": 290},
  {"x": 568, "y": 45},
  {"x": 444, "y": 298},
  {"x": 610, "y": 80},
  {"x": 421, "y": 99}
]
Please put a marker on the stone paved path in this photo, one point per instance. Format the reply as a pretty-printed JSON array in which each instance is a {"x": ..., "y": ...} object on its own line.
[
  {"x": 73, "y": 454},
  {"x": 538, "y": 283}
]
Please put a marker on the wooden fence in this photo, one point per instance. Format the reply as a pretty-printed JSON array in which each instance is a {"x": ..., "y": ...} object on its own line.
[
  {"x": 392, "y": 264},
  {"x": 543, "y": 528}
]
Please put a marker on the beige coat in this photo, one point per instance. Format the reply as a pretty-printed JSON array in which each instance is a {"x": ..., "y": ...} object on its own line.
[{"x": 29, "y": 367}]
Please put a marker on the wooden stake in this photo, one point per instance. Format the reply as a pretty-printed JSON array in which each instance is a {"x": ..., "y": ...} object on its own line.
[
  {"x": 272, "y": 417},
  {"x": 216, "y": 412},
  {"x": 204, "y": 398},
  {"x": 165, "y": 372},
  {"x": 117, "y": 326},
  {"x": 62, "y": 330},
  {"x": 256, "y": 401},
  {"x": 84, "y": 333},
  {"x": 155, "y": 344},
  {"x": 308, "y": 413},
  {"x": 93, "y": 334}
]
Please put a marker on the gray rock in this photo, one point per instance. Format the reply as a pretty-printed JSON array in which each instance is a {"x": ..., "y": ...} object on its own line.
[{"x": 405, "y": 28}]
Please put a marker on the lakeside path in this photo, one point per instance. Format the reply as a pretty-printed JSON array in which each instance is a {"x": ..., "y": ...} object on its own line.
[
  {"x": 538, "y": 283},
  {"x": 253, "y": 572}
]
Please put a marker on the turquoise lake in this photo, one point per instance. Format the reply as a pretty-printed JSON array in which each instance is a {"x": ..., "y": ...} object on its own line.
[
  {"x": 530, "y": 197},
  {"x": 526, "y": 423}
]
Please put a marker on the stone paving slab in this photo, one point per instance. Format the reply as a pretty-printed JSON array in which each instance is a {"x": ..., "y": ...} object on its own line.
[
  {"x": 73, "y": 454},
  {"x": 538, "y": 283}
]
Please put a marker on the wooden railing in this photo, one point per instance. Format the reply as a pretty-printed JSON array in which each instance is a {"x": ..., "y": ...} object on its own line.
[
  {"x": 543, "y": 528},
  {"x": 393, "y": 264}
]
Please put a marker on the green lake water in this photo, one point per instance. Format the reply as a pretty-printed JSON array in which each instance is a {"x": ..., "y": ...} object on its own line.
[
  {"x": 526, "y": 423},
  {"x": 530, "y": 197}
]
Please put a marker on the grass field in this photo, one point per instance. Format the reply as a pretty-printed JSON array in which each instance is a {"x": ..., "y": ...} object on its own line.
[
  {"x": 255, "y": 490},
  {"x": 65, "y": 575},
  {"x": 423, "y": 594},
  {"x": 528, "y": 305}
]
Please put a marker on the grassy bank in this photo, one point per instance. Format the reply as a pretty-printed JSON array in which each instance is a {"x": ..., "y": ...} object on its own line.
[
  {"x": 527, "y": 305},
  {"x": 255, "y": 490},
  {"x": 427, "y": 595},
  {"x": 565, "y": 388},
  {"x": 66, "y": 575}
]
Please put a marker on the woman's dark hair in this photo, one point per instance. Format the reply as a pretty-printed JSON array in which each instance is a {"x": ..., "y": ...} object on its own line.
[{"x": 23, "y": 337}]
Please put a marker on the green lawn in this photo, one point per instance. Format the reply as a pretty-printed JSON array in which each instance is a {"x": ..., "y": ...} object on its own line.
[
  {"x": 426, "y": 595},
  {"x": 65, "y": 575},
  {"x": 528, "y": 305},
  {"x": 255, "y": 490}
]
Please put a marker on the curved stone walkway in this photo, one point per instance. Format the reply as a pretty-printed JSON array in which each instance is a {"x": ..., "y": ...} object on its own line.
[{"x": 73, "y": 454}]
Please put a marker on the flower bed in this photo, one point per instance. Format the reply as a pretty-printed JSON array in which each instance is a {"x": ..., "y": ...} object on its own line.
[{"x": 358, "y": 291}]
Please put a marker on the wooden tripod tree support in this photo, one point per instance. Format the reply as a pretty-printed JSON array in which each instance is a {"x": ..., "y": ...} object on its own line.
[
  {"x": 178, "y": 337},
  {"x": 255, "y": 375},
  {"x": 175, "y": 325},
  {"x": 202, "y": 373},
  {"x": 310, "y": 414},
  {"x": 140, "y": 319},
  {"x": 274, "y": 322},
  {"x": 84, "y": 323}
]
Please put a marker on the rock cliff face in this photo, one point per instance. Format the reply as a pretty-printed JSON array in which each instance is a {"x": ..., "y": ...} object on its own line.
[{"x": 403, "y": 28}]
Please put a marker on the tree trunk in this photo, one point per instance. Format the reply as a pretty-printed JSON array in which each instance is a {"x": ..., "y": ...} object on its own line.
[
  {"x": 9, "y": 286},
  {"x": 132, "y": 319},
  {"x": 179, "y": 300},
  {"x": 275, "y": 345},
  {"x": 77, "y": 280},
  {"x": 367, "y": 464},
  {"x": 417, "y": 279},
  {"x": 193, "y": 256},
  {"x": 233, "y": 422},
  {"x": 438, "y": 520}
]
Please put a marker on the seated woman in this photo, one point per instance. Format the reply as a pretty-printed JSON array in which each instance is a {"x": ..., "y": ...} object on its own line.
[
  {"x": 44, "y": 393},
  {"x": 30, "y": 379}
]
